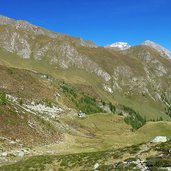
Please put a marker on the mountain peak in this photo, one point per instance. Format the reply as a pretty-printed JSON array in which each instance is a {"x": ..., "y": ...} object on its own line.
[
  {"x": 163, "y": 51},
  {"x": 119, "y": 45}
]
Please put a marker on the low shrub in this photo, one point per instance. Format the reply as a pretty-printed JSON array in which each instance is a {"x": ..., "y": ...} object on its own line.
[{"x": 3, "y": 98}]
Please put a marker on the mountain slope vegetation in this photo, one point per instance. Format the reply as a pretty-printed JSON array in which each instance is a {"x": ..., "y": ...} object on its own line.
[{"x": 61, "y": 95}]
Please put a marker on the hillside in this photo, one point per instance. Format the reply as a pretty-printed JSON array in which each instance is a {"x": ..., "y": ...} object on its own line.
[
  {"x": 36, "y": 119},
  {"x": 61, "y": 95},
  {"x": 138, "y": 73}
]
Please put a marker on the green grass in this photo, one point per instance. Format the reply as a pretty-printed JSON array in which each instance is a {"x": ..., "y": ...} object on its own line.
[
  {"x": 86, "y": 161},
  {"x": 145, "y": 106},
  {"x": 103, "y": 131}
]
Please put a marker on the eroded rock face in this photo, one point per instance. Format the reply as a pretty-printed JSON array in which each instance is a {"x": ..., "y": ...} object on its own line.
[
  {"x": 159, "y": 69},
  {"x": 15, "y": 39},
  {"x": 15, "y": 43},
  {"x": 40, "y": 51},
  {"x": 68, "y": 57}
]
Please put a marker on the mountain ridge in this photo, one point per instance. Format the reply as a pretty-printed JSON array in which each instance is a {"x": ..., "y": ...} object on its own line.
[
  {"x": 129, "y": 72},
  {"x": 23, "y": 24}
]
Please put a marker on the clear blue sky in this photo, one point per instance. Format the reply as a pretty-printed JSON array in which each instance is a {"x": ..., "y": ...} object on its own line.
[{"x": 103, "y": 21}]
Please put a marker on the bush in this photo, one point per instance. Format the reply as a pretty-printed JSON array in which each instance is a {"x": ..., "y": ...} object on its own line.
[
  {"x": 21, "y": 102},
  {"x": 168, "y": 111},
  {"x": 167, "y": 102},
  {"x": 157, "y": 162},
  {"x": 3, "y": 98},
  {"x": 112, "y": 107}
]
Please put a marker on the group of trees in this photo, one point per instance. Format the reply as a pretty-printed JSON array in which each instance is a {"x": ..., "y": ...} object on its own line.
[
  {"x": 88, "y": 105},
  {"x": 134, "y": 118},
  {"x": 83, "y": 102},
  {"x": 68, "y": 91}
]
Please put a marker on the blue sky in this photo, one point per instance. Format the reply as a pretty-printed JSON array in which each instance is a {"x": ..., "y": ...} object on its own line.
[{"x": 103, "y": 21}]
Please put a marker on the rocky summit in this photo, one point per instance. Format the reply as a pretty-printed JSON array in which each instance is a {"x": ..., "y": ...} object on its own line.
[{"x": 69, "y": 104}]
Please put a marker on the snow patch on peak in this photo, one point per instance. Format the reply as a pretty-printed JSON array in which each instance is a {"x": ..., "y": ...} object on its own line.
[
  {"x": 119, "y": 45},
  {"x": 163, "y": 51}
]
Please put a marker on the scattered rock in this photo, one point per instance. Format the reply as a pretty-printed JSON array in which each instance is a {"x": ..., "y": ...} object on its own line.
[
  {"x": 52, "y": 111},
  {"x": 108, "y": 89},
  {"x": 21, "y": 154},
  {"x": 159, "y": 139},
  {"x": 96, "y": 166},
  {"x": 4, "y": 154},
  {"x": 81, "y": 114},
  {"x": 12, "y": 142}
]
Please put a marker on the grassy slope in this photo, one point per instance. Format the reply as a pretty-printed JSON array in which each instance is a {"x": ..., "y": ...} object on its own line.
[
  {"x": 14, "y": 120},
  {"x": 24, "y": 84},
  {"x": 145, "y": 106},
  {"x": 106, "y": 160},
  {"x": 110, "y": 130},
  {"x": 15, "y": 126},
  {"x": 102, "y": 125},
  {"x": 100, "y": 132},
  {"x": 104, "y": 131}
]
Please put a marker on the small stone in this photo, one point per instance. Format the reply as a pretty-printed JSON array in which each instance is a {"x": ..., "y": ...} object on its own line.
[
  {"x": 21, "y": 154},
  {"x": 96, "y": 166},
  {"x": 12, "y": 142},
  {"x": 4, "y": 154}
]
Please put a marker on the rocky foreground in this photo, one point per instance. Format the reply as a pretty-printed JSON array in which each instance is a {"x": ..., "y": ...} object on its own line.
[{"x": 143, "y": 157}]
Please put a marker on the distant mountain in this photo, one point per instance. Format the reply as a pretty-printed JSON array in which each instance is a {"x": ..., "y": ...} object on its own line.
[{"x": 119, "y": 45}]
